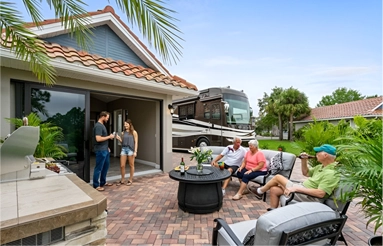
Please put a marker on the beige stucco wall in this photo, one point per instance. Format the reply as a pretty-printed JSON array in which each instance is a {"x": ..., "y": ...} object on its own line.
[
  {"x": 335, "y": 122},
  {"x": 149, "y": 134}
]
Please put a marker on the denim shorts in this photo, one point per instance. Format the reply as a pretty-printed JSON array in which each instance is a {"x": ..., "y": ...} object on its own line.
[{"x": 126, "y": 151}]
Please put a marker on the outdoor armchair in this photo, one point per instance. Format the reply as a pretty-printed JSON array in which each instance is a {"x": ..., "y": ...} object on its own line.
[
  {"x": 297, "y": 224},
  {"x": 334, "y": 202},
  {"x": 288, "y": 161},
  {"x": 69, "y": 155}
]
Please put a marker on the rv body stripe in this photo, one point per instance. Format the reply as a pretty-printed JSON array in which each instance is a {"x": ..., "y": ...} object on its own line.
[{"x": 193, "y": 127}]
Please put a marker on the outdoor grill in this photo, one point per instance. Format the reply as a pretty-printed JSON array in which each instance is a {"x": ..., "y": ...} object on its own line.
[{"x": 17, "y": 161}]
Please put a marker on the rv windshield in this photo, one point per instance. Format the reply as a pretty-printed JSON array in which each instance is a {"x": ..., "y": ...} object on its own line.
[{"x": 239, "y": 111}]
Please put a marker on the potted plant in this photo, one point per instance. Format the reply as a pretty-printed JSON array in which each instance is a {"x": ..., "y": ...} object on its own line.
[
  {"x": 360, "y": 163},
  {"x": 50, "y": 135},
  {"x": 281, "y": 147}
]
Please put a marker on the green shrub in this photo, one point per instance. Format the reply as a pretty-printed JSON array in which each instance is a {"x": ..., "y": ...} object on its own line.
[
  {"x": 281, "y": 147},
  {"x": 298, "y": 134},
  {"x": 264, "y": 146},
  {"x": 318, "y": 133},
  {"x": 361, "y": 166}
]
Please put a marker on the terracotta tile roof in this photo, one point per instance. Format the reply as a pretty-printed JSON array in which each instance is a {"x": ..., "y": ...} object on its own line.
[
  {"x": 71, "y": 55},
  {"x": 107, "y": 9},
  {"x": 347, "y": 110}
]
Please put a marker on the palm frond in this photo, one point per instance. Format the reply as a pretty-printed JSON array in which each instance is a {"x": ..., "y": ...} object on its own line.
[
  {"x": 156, "y": 24},
  {"x": 361, "y": 166},
  {"x": 50, "y": 136},
  {"x": 22, "y": 41}
]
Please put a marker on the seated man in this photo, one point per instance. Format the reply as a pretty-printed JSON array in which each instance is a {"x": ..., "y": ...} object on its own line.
[
  {"x": 234, "y": 156},
  {"x": 322, "y": 181}
]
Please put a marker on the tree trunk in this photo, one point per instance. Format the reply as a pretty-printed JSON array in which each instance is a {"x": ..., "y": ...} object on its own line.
[
  {"x": 291, "y": 128},
  {"x": 280, "y": 127}
]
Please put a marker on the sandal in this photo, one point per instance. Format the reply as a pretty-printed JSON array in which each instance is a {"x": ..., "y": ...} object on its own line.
[
  {"x": 120, "y": 183},
  {"x": 108, "y": 184},
  {"x": 129, "y": 183},
  {"x": 100, "y": 189},
  {"x": 237, "y": 197}
]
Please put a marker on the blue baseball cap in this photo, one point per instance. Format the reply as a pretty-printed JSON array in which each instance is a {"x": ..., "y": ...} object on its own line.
[{"x": 329, "y": 149}]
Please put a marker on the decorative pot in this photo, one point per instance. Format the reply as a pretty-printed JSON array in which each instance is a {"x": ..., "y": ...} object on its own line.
[
  {"x": 376, "y": 240},
  {"x": 199, "y": 168}
]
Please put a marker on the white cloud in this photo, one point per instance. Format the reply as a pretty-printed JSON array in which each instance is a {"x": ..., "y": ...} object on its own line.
[
  {"x": 229, "y": 60},
  {"x": 344, "y": 71}
]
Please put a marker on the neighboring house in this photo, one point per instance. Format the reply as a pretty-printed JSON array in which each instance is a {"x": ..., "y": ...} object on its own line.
[
  {"x": 118, "y": 74},
  {"x": 368, "y": 108}
]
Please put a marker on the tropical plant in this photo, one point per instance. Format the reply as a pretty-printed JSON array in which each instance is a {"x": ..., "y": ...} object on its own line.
[
  {"x": 270, "y": 105},
  {"x": 293, "y": 103},
  {"x": 200, "y": 156},
  {"x": 264, "y": 146},
  {"x": 318, "y": 133},
  {"x": 281, "y": 147},
  {"x": 361, "y": 166},
  {"x": 50, "y": 135},
  {"x": 153, "y": 20}
]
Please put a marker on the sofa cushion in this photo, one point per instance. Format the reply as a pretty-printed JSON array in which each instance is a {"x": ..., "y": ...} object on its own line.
[
  {"x": 288, "y": 158},
  {"x": 240, "y": 229},
  {"x": 270, "y": 226}
]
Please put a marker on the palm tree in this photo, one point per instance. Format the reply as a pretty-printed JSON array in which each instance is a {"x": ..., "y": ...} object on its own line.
[
  {"x": 154, "y": 21},
  {"x": 293, "y": 103},
  {"x": 274, "y": 107}
]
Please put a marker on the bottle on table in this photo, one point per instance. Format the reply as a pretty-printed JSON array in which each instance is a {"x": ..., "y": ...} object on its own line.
[{"x": 182, "y": 166}]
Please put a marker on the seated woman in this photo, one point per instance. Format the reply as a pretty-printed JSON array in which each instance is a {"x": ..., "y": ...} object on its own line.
[{"x": 253, "y": 165}]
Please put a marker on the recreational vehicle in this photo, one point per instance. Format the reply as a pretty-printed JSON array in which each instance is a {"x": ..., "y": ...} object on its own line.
[{"x": 213, "y": 117}]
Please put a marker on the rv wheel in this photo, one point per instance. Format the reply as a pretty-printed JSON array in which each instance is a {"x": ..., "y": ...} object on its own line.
[{"x": 203, "y": 142}]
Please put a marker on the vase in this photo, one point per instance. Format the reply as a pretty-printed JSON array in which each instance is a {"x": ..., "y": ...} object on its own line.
[{"x": 199, "y": 168}]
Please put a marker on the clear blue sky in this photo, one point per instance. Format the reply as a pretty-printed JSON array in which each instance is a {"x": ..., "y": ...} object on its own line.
[{"x": 315, "y": 46}]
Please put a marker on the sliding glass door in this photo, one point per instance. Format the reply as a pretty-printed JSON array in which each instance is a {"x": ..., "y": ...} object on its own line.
[{"x": 65, "y": 108}]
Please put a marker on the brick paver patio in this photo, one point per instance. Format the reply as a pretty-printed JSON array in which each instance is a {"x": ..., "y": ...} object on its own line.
[{"x": 146, "y": 213}]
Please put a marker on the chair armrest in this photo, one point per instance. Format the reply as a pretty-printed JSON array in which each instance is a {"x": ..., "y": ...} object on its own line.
[
  {"x": 266, "y": 176},
  {"x": 291, "y": 196},
  {"x": 222, "y": 224}
]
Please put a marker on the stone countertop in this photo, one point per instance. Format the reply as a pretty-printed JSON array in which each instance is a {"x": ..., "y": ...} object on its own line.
[{"x": 29, "y": 207}]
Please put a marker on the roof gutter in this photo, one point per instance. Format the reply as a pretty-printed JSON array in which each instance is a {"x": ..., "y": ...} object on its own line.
[
  {"x": 329, "y": 119},
  {"x": 94, "y": 74}
]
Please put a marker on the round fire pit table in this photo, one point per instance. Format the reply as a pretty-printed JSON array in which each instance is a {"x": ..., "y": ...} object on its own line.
[{"x": 200, "y": 193}]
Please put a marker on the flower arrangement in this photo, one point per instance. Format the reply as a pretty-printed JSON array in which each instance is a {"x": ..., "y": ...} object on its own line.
[{"x": 199, "y": 155}]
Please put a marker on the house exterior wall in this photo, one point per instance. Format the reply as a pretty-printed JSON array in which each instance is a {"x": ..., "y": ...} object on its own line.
[
  {"x": 8, "y": 111},
  {"x": 335, "y": 122},
  {"x": 106, "y": 43}
]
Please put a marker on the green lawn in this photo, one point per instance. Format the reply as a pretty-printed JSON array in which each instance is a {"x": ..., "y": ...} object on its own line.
[{"x": 291, "y": 147}]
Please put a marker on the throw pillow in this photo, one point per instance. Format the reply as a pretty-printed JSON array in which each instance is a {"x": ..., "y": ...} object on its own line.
[
  {"x": 249, "y": 238},
  {"x": 276, "y": 164}
]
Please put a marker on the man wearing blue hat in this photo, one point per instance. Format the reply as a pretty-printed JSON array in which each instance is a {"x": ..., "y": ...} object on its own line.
[{"x": 322, "y": 181}]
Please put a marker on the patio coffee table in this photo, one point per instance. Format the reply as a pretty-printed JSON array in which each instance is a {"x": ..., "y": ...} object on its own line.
[{"x": 200, "y": 193}]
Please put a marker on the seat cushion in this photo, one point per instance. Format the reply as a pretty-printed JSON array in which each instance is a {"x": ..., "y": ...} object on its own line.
[
  {"x": 240, "y": 229},
  {"x": 270, "y": 226}
]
